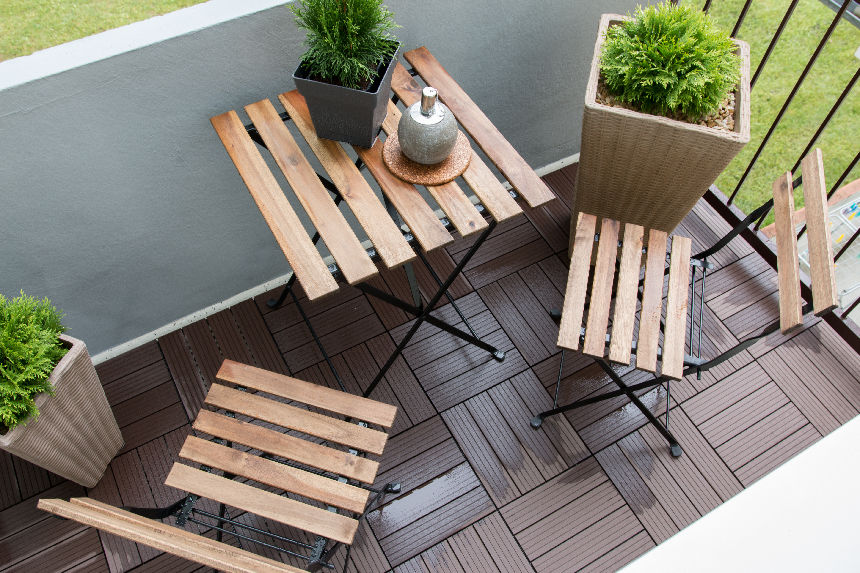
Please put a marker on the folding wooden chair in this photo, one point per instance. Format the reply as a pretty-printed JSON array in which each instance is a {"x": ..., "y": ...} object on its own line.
[
  {"x": 319, "y": 465},
  {"x": 628, "y": 287}
]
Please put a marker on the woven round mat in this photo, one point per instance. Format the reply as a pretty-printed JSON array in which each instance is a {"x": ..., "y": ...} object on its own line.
[{"x": 449, "y": 169}]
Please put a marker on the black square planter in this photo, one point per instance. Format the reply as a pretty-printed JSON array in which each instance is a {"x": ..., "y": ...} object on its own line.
[{"x": 345, "y": 114}]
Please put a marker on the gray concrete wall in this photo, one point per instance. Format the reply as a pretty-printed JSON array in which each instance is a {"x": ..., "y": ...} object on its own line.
[{"x": 119, "y": 203}]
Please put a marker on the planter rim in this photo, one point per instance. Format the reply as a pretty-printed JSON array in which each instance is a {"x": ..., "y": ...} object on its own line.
[
  {"x": 76, "y": 346},
  {"x": 741, "y": 133},
  {"x": 397, "y": 46}
]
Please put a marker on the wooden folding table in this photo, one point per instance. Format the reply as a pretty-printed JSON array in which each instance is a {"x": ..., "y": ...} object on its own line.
[{"x": 403, "y": 226}]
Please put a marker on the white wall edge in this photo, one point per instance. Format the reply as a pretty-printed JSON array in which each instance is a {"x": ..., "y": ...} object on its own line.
[
  {"x": 110, "y": 43},
  {"x": 260, "y": 289}
]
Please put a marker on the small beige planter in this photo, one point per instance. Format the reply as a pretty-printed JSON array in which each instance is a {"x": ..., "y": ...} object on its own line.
[
  {"x": 76, "y": 435},
  {"x": 647, "y": 169}
]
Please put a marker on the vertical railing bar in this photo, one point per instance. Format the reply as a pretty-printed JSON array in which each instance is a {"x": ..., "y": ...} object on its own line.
[
  {"x": 740, "y": 19},
  {"x": 821, "y": 128},
  {"x": 791, "y": 95},
  {"x": 850, "y": 308},
  {"x": 844, "y": 175},
  {"x": 773, "y": 42},
  {"x": 846, "y": 245},
  {"x": 707, "y": 6}
]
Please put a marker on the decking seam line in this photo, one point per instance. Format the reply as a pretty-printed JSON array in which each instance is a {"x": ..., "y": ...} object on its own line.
[{"x": 794, "y": 433}]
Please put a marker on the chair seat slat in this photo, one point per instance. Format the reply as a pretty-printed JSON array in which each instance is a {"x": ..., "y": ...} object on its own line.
[
  {"x": 601, "y": 289},
  {"x": 625, "y": 299},
  {"x": 577, "y": 283},
  {"x": 676, "y": 308},
  {"x": 652, "y": 302}
]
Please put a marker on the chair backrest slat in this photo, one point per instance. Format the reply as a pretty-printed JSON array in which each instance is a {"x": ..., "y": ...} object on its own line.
[
  {"x": 790, "y": 315},
  {"x": 821, "y": 268}
]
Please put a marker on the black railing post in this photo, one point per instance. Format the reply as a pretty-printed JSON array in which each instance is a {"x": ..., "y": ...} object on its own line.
[{"x": 773, "y": 42}]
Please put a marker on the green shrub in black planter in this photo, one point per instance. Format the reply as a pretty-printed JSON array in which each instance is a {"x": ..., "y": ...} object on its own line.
[
  {"x": 345, "y": 74},
  {"x": 30, "y": 348}
]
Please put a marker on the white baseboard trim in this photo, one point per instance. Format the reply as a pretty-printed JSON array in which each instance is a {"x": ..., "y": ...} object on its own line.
[{"x": 260, "y": 289}]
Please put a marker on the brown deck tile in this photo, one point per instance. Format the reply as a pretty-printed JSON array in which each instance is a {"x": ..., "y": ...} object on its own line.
[
  {"x": 121, "y": 554},
  {"x": 366, "y": 555},
  {"x": 204, "y": 349},
  {"x": 435, "y": 346},
  {"x": 128, "y": 362},
  {"x": 339, "y": 338},
  {"x": 414, "y": 565},
  {"x": 728, "y": 391},
  {"x": 761, "y": 436},
  {"x": 505, "y": 237},
  {"x": 97, "y": 564},
  {"x": 742, "y": 296},
  {"x": 502, "y": 545},
  {"x": 524, "y": 320},
  {"x": 443, "y": 264},
  {"x": 508, "y": 263},
  {"x": 257, "y": 337},
  {"x": 390, "y": 315},
  {"x": 777, "y": 455},
  {"x": 137, "y": 382},
  {"x": 145, "y": 403},
  {"x": 32, "y": 480},
  {"x": 723, "y": 279},
  {"x": 229, "y": 338},
  {"x": 471, "y": 552},
  {"x": 550, "y": 221},
  {"x": 69, "y": 552},
  {"x": 153, "y": 426},
  {"x": 442, "y": 558},
  {"x": 621, "y": 555},
  {"x": 616, "y": 425},
  {"x": 403, "y": 383},
  {"x": 9, "y": 493},
  {"x": 184, "y": 372}
]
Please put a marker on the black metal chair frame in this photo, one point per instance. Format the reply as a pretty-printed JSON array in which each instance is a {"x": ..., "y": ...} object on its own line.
[{"x": 694, "y": 364}]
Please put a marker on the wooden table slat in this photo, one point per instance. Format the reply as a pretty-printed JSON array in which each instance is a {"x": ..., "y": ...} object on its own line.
[
  {"x": 161, "y": 536},
  {"x": 269, "y": 472},
  {"x": 371, "y": 214},
  {"x": 478, "y": 176},
  {"x": 676, "y": 308},
  {"x": 821, "y": 268},
  {"x": 486, "y": 135},
  {"x": 601, "y": 289},
  {"x": 456, "y": 205},
  {"x": 308, "y": 393},
  {"x": 285, "y": 225},
  {"x": 625, "y": 299},
  {"x": 570, "y": 328},
  {"x": 790, "y": 303},
  {"x": 652, "y": 302},
  {"x": 339, "y": 237},
  {"x": 263, "y": 503},
  {"x": 301, "y": 420},
  {"x": 273, "y": 442},
  {"x": 417, "y": 214}
]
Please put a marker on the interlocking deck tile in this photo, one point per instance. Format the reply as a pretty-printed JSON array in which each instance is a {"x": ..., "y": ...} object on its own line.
[
  {"x": 773, "y": 457},
  {"x": 137, "y": 382},
  {"x": 145, "y": 403},
  {"x": 508, "y": 263},
  {"x": 761, "y": 436},
  {"x": 257, "y": 337},
  {"x": 471, "y": 552},
  {"x": 68, "y": 552},
  {"x": 128, "y": 362},
  {"x": 184, "y": 372}
]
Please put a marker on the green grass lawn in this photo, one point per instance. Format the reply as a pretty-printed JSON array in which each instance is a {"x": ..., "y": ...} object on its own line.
[
  {"x": 27, "y": 26},
  {"x": 834, "y": 68}
]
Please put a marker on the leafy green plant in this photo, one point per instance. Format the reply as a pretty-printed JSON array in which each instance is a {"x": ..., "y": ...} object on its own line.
[
  {"x": 346, "y": 39},
  {"x": 30, "y": 348},
  {"x": 670, "y": 59}
]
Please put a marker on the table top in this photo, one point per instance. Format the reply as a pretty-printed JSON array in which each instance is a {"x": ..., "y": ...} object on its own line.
[{"x": 389, "y": 242}]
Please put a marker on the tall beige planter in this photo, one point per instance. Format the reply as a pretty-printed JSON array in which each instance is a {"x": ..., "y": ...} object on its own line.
[
  {"x": 76, "y": 434},
  {"x": 646, "y": 169}
]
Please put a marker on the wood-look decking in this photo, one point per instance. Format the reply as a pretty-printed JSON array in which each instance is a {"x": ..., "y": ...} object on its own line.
[{"x": 482, "y": 491}]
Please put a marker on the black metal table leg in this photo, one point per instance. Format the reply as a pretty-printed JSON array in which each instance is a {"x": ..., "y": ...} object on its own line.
[{"x": 431, "y": 303}]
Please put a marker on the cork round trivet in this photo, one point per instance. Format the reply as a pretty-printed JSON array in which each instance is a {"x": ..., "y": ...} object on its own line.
[{"x": 447, "y": 170}]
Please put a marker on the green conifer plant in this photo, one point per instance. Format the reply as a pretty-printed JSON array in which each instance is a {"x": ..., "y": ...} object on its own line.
[
  {"x": 30, "y": 348},
  {"x": 670, "y": 59},
  {"x": 346, "y": 40}
]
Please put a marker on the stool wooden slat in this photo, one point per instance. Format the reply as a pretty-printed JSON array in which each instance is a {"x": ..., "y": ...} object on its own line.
[
  {"x": 623, "y": 319},
  {"x": 308, "y": 393},
  {"x": 297, "y": 419},
  {"x": 451, "y": 199},
  {"x": 570, "y": 329},
  {"x": 163, "y": 537},
  {"x": 275, "y": 208},
  {"x": 790, "y": 303},
  {"x": 601, "y": 289},
  {"x": 417, "y": 214},
  {"x": 273, "y": 442},
  {"x": 676, "y": 309},
  {"x": 326, "y": 217},
  {"x": 281, "y": 476},
  {"x": 821, "y": 268},
  {"x": 263, "y": 503},
  {"x": 478, "y": 176},
  {"x": 371, "y": 214},
  {"x": 486, "y": 135},
  {"x": 652, "y": 302}
]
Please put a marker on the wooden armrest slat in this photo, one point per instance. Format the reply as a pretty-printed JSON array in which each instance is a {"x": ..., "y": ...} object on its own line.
[
  {"x": 821, "y": 267},
  {"x": 601, "y": 289},
  {"x": 308, "y": 393},
  {"x": 371, "y": 214},
  {"x": 570, "y": 328},
  {"x": 652, "y": 302},
  {"x": 311, "y": 423},
  {"x": 478, "y": 176},
  {"x": 482, "y": 130},
  {"x": 326, "y": 217},
  {"x": 462, "y": 213},
  {"x": 676, "y": 308},
  {"x": 625, "y": 296},
  {"x": 163, "y": 537},
  {"x": 281, "y": 476},
  {"x": 790, "y": 312},
  {"x": 263, "y": 503},
  {"x": 290, "y": 447},
  {"x": 417, "y": 214},
  {"x": 285, "y": 225}
]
